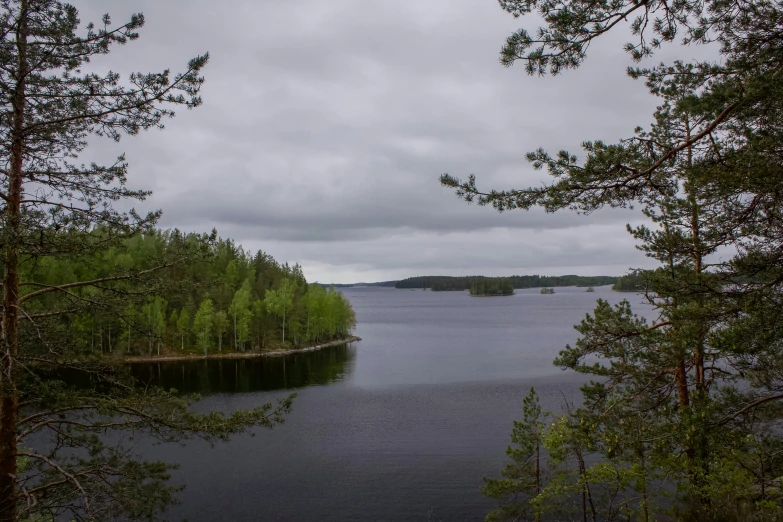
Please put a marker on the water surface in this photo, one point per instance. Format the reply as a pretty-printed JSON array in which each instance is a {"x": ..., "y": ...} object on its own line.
[{"x": 400, "y": 426}]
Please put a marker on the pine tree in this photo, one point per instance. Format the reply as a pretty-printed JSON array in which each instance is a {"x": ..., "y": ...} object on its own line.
[
  {"x": 523, "y": 477},
  {"x": 689, "y": 395},
  {"x": 55, "y": 207}
]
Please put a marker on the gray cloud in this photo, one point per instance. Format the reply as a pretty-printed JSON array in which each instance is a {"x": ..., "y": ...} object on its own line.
[{"x": 326, "y": 124}]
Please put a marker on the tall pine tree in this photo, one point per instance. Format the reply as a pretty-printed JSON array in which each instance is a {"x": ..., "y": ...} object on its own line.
[{"x": 53, "y": 206}]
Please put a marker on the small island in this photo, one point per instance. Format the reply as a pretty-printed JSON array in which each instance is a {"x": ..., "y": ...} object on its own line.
[
  {"x": 590, "y": 289},
  {"x": 491, "y": 287},
  {"x": 546, "y": 290}
]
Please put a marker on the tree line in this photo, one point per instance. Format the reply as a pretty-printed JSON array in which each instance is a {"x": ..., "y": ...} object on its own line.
[
  {"x": 632, "y": 282},
  {"x": 491, "y": 286},
  {"x": 213, "y": 296},
  {"x": 450, "y": 283}
]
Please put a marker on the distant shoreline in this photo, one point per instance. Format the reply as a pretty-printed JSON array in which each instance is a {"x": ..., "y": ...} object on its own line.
[{"x": 238, "y": 355}]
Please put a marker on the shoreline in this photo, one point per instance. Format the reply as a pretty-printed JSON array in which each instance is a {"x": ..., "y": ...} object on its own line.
[{"x": 237, "y": 355}]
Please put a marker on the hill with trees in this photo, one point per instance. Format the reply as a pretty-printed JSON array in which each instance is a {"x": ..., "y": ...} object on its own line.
[{"x": 447, "y": 283}]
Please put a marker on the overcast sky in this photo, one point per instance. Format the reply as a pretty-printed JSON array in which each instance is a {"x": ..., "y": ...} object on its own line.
[{"x": 326, "y": 124}]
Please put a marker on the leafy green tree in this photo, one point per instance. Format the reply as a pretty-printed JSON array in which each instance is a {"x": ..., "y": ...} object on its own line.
[
  {"x": 279, "y": 301},
  {"x": 129, "y": 319},
  {"x": 221, "y": 327},
  {"x": 154, "y": 313},
  {"x": 183, "y": 326},
  {"x": 242, "y": 314},
  {"x": 204, "y": 324}
]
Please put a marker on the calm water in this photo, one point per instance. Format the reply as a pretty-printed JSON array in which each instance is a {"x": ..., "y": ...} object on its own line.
[{"x": 400, "y": 426}]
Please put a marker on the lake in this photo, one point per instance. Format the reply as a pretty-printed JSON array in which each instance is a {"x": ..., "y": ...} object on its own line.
[{"x": 400, "y": 426}]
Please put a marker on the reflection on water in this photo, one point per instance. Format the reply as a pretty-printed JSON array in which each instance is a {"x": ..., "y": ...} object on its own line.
[{"x": 249, "y": 375}]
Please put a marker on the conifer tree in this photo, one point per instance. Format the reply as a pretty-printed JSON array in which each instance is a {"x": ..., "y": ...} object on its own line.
[
  {"x": 523, "y": 476},
  {"x": 689, "y": 395},
  {"x": 53, "y": 206}
]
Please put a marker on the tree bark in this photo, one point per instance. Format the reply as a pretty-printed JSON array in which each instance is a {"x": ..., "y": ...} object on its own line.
[
  {"x": 538, "y": 476},
  {"x": 10, "y": 317}
]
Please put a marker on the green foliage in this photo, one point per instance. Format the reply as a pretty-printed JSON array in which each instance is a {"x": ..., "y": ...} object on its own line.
[
  {"x": 221, "y": 326},
  {"x": 279, "y": 301},
  {"x": 689, "y": 401},
  {"x": 329, "y": 314},
  {"x": 204, "y": 324},
  {"x": 266, "y": 308},
  {"x": 79, "y": 273},
  {"x": 522, "y": 478},
  {"x": 241, "y": 312},
  {"x": 633, "y": 282},
  {"x": 183, "y": 326},
  {"x": 154, "y": 312},
  {"x": 491, "y": 286}
]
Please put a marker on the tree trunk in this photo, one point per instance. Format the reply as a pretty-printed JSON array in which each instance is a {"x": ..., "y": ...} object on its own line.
[
  {"x": 697, "y": 258},
  {"x": 538, "y": 476},
  {"x": 682, "y": 385},
  {"x": 10, "y": 318},
  {"x": 284, "y": 325}
]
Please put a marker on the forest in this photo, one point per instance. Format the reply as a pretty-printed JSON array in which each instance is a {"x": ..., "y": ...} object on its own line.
[
  {"x": 487, "y": 286},
  {"x": 447, "y": 283},
  {"x": 208, "y": 296}
]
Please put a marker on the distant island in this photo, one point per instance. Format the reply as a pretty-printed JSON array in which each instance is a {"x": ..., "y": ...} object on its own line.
[
  {"x": 449, "y": 283},
  {"x": 546, "y": 290},
  {"x": 491, "y": 286},
  {"x": 462, "y": 283},
  {"x": 391, "y": 284}
]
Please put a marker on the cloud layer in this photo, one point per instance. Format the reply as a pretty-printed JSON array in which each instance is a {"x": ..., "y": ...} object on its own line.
[{"x": 325, "y": 126}]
